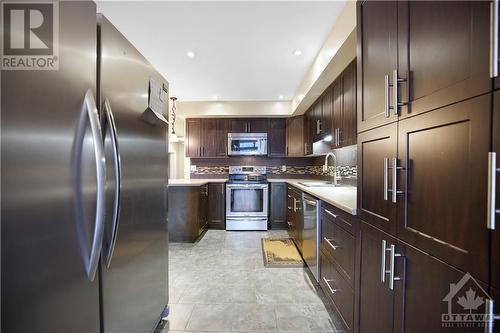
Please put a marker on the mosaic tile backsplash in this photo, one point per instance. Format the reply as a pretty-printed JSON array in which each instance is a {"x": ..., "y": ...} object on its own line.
[
  {"x": 304, "y": 167},
  {"x": 313, "y": 170}
]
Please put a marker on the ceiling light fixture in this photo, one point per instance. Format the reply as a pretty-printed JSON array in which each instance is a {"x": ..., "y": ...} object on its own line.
[
  {"x": 191, "y": 54},
  {"x": 173, "y": 136},
  {"x": 297, "y": 53},
  {"x": 215, "y": 97},
  {"x": 280, "y": 97}
]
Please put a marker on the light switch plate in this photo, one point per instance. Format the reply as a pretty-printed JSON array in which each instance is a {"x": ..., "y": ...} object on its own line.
[
  {"x": 283, "y": 168},
  {"x": 193, "y": 168}
]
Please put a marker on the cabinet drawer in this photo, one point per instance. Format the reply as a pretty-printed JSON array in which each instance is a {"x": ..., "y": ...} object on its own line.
[
  {"x": 345, "y": 220},
  {"x": 338, "y": 291},
  {"x": 340, "y": 245}
]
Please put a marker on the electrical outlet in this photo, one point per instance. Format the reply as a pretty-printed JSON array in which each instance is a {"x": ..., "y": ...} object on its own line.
[
  {"x": 325, "y": 168},
  {"x": 193, "y": 168},
  {"x": 283, "y": 168}
]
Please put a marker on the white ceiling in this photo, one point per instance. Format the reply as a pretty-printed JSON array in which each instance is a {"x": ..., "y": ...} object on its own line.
[{"x": 244, "y": 50}]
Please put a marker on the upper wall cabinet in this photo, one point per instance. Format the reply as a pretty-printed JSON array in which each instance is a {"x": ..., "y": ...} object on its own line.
[
  {"x": 276, "y": 139},
  {"x": 347, "y": 131},
  {"x": 377, "y": 57},
  {"x": 295, "y": 146},
  {"x": 193, "y": 137},
  {"x": 443, "y": 52},
  {"x": 251, "y": 125},
  {"x": 206, "y": 137}
]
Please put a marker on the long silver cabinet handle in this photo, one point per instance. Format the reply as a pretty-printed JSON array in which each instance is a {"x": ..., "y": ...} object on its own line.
[
  {"x": 386, "y": 96},
  {"x": 492, "y": 176},
  {"x": 393, "y": 278},
  {"x": 395, "y": 92},
  {"x": 494, "y": 38},
  {"x": 382, "y": 262},
  {"x": 386, "y": 179},
  {"x": 394, "y": 189},
  {"x": 329, "y": 212},
  {"x": 90, "y": 115},
  {"x": 329, "y": 242},
  {"x": 327, "y": 282},
  {"x": 490, "y": 316},
  {"x": 118, "y": 176}
]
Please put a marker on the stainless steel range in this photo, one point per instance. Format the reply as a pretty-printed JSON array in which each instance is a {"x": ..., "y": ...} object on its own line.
[{"x": 247, "y": 193}]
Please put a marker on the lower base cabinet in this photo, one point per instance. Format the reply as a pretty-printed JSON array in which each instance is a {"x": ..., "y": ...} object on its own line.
[
  {"x": 403, "y": 289},
  {"x": 216, "y": 206},
  {"x": 278, "y": 205},
  {"x": 338, "y": 290},
  {"x": 187, "y": 212}
]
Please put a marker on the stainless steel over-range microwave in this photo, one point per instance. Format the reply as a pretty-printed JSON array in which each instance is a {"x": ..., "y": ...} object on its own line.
[{"x": 247, "y": 143}]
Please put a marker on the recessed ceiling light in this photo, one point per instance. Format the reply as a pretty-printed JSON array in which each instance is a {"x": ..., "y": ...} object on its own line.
[
  {"x": 215, "y": 97},
  {"x": 297, "y": 53},
  {"x": 190, "y": 54},
  {"x": 280, "y": 97}
]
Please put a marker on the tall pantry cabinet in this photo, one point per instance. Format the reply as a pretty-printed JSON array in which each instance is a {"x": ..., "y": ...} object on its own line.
[{"x": 425, "y": 132}]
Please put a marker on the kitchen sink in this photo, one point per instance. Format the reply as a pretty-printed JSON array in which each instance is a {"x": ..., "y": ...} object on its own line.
[{"x": 318, "y": 184}]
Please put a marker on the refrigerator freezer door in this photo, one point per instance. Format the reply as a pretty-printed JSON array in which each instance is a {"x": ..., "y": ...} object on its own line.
[
  {"x": 134, "y": 288},
  {"x": 45, "y": 252}
]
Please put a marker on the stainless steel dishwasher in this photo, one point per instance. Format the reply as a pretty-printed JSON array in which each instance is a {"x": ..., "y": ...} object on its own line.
[{"x": 311, "y": 233}]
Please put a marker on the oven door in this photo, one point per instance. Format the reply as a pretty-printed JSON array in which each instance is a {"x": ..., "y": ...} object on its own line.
[{"x": 246, "y": 200}]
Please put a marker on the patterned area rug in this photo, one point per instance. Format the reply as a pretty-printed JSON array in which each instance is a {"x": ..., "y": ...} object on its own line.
[{"x": 281, "y": 253}]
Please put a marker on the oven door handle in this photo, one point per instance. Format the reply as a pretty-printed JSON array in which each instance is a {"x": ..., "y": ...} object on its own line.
[{"x": 247, "y": 186}]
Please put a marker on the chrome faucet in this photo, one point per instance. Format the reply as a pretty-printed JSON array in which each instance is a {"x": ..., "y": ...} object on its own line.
[{"x": 325, "y": 166}]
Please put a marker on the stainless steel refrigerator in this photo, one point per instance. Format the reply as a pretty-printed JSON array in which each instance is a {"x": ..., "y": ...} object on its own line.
[{"x": 83, "y": 186}]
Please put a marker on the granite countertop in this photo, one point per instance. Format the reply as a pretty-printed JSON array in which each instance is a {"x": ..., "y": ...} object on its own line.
[
  {"x": 342, "y": 197},
  {"x": 194, "y": 182}
]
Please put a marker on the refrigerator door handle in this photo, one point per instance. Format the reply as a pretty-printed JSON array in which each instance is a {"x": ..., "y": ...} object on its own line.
[
  {"x": 90, "y": 115},
  {"x": 110, "y": 120}
]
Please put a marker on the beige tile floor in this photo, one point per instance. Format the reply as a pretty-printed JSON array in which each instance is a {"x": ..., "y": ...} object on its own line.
[{"x": 220, "y": 284}]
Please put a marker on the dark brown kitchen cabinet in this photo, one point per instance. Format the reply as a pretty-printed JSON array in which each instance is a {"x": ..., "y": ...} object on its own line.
[
  {"x": 338, "y": 291},
  {"x": 495, "y": 234},
  {"x": 377, "y": 31},
  {"x": 317, "y": 111},
  {"x": 400, "y": 285},
  {"x": 495, "y": 295},
  {"x": 203, "y": 208},
  {"x": 295, "y": 145},
  {"x": 258, "y": 125},
  {"x": 376, "y": 300},
  {"x": 348, "y": 131},
  {"x": 437, "y": 52},
  {"x": 445, "y": 47},
  {"x": 214, "y": 137},
  {"x": 309, "y": 130},
  {"x": 443, "y": 155},
  {"x": 187, "y": 212},
  {"x": 249, "y": 125},
  {"x": 374, "y": 201},
  {"x": 278, "y": 204},
  {"x": 238, "y": 126},
  {"x": 206, "y": 137},
  {"x": 336, "y": 119},
  {"x": 423, "y": 289},
  {"x": 295, "y": 216},
  {"x": 276, "y": 139},
  {"x": 216, "y": 206},
  {"x": 193, "y": 137},
  {"x": 327, "y": 111}
]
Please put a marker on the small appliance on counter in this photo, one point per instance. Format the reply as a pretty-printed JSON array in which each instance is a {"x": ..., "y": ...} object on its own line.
[{"x": 247, "y": 193}]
